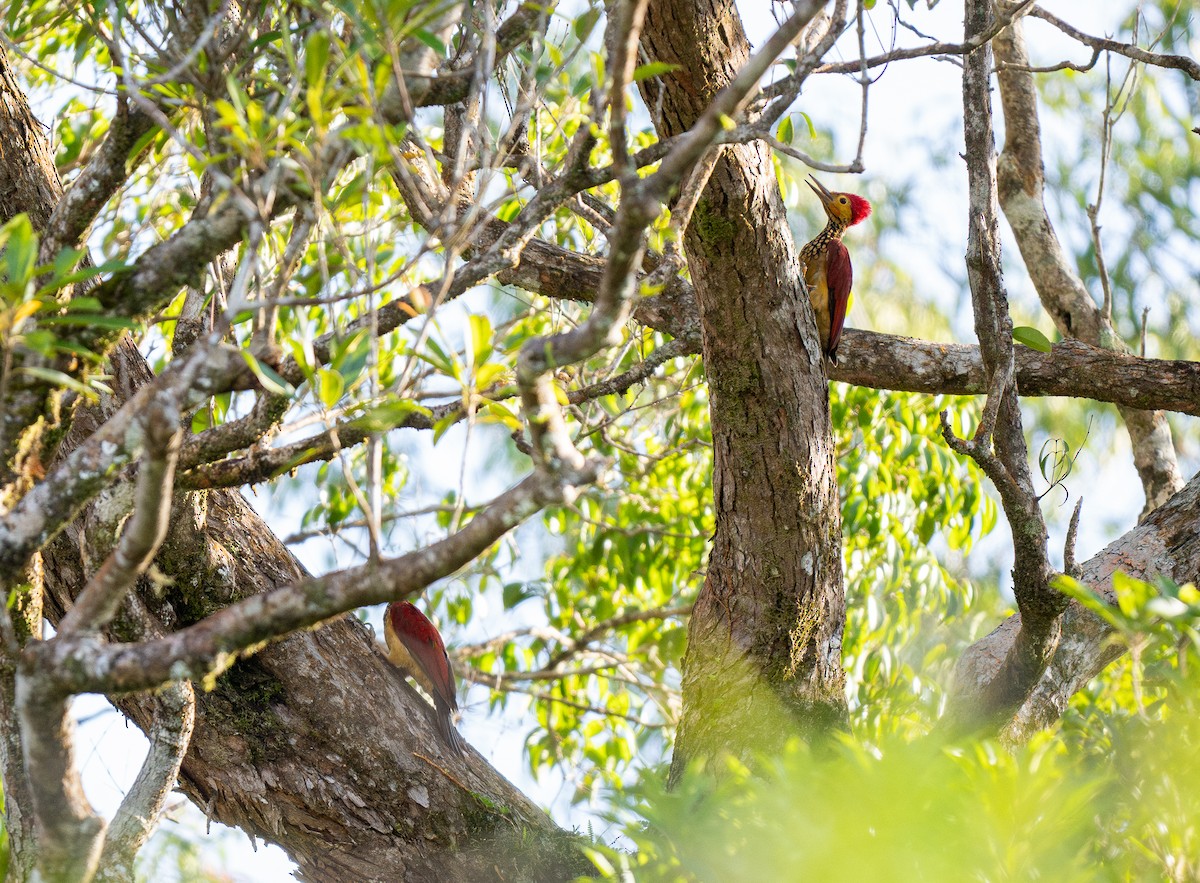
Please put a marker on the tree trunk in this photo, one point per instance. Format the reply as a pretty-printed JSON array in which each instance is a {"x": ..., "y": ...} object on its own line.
[{"x": 765, "y": 638}]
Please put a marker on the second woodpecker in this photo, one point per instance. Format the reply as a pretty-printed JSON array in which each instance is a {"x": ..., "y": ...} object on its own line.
[
  {"x": 827, "y": 270},
  {"x": 415, "y": 646}
]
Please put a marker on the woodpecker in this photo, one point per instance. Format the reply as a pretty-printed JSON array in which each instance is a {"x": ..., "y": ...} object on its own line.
[
  {"x": 415, "y": 646},
  {"x": 827, "y": 270}
]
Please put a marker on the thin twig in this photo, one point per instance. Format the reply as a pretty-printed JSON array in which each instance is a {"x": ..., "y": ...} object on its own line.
[{"x": 1070, "y": 567}]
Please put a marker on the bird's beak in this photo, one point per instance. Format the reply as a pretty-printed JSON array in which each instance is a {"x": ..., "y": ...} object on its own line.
[{"x": 822, "y": 194}]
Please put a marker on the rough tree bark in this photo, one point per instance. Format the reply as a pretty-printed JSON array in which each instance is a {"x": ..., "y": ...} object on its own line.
[
  {"x": 765, "y": 637},
  {"x": 1084, "y": 647}
]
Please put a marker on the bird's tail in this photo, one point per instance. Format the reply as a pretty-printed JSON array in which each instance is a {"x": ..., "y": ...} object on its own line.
[{"x": 450, "y": 735}]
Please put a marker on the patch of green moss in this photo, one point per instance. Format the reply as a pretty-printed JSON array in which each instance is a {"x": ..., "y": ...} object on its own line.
[
  {"x": 242, "y": 703},
  {"x": 522, "y": 851},
  {"x": 712, "y": 225}
]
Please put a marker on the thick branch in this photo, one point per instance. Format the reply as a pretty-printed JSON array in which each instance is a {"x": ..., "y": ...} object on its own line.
[
  {"x": 1062, "y": 293},
  {"x": 1071, "y": 368}
]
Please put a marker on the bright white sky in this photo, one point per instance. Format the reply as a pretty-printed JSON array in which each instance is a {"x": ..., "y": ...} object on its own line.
[{"x": 914, "y": 115}]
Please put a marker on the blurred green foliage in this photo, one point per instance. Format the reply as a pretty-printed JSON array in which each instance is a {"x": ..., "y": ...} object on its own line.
[{"x": 1113, "y": 793}]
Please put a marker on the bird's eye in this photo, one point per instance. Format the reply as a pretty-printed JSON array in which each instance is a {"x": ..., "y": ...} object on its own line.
[{"x": 842, "y": 200}]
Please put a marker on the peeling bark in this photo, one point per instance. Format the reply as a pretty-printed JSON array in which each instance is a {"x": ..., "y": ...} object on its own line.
[{"x": 1166, "y": 543}]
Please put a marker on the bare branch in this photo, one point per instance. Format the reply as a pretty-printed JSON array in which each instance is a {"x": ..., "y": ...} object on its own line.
[
  {"x": 1140, "y": 554},
  {"x": 137, "y": 817},
  {"x": 1040, "y": 604},
  {"x": 611, "y": 624},
  {"x": 214, "y": 643},
  {"x": 1021, "y": 186},
  {"x": 263, "y": 464},
  {"x": 625, "y": 28},
  {"x": 145, "y": 530},
  {"x": 1100, "y": 44},
  {"x": 967, "y": 46},
  {"x": 1070, "y": 568},
  {"x": 1061, "y": 66}
]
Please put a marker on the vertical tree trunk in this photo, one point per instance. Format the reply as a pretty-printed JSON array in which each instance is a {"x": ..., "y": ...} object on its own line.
[{"x": 765, "y": 639}]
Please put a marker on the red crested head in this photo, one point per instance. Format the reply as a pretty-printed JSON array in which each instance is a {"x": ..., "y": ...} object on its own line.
[
  {"x": 860, "y": 209},
  {"x": 844, "y": 209}
]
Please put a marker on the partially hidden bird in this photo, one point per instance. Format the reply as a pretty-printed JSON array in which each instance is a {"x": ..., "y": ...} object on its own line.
[
  {"x": 827, "y": 270},
  {"x": 415, "y": 646}
]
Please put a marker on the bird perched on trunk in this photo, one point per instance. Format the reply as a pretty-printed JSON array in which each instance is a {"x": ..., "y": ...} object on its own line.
[
  {"x": 827, "y": 270},
  {"x": 415, "y": 646}
]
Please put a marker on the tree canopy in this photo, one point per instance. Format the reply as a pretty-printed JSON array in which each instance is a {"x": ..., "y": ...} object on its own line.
[{"x": 310, "y": 307}]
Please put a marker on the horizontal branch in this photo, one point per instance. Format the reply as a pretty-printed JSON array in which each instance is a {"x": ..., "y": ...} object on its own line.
[
  {"x": 857, "y": 66},
  {"x": 85, "y": 665},
  {"x": 885, "y": 361},
  {"x": 1103, "y": 44},
  {"x": 873, "y": 360},
  {"x": 1072, "y": 369}
]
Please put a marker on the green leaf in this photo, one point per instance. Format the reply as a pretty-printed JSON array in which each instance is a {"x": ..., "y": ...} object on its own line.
[
  {"x": 1032, "y": 338},
  {"x": 86, "y": 320},
  {"x": 786, "y": 130},
  {"x": 316, "y": 62},
  {"x": 330, "y": 386},
  {"x": 267, "y": 376},
  {"x": 430, "y": 40},
  {"x": 66, "y": 259},
  {"x": 812, "y": 130},
  {"x": 479, "y": 341},
  {"x": 349, "y": 355},
  {"x": 389, "y": 415},
  {"x": 515, "y": 593},
  {"x": 584, "y": 24},
  {"x": 1132, "y": 594},
  {"x": 58, "y": 378},
  {"x": 20, "y": 250},
  {"x": 653, "y": 69}
]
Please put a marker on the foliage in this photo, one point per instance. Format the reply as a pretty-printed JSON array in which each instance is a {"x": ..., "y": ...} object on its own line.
[
  {"x": 1109, "y": 794},
  {"x": 608, "y": 580}
]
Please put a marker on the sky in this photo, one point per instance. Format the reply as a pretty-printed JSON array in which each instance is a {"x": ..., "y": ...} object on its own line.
[{"x": 914, "y": 119}]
